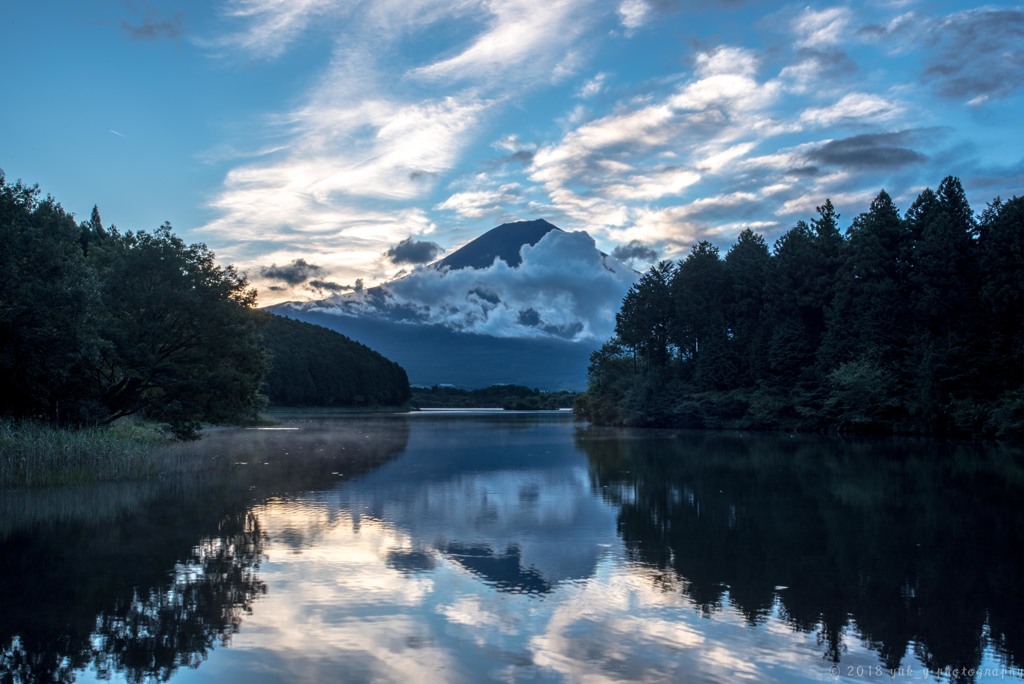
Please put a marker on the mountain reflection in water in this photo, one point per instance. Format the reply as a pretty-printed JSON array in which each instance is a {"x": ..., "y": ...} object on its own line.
[{"x": 517, "y": 547}]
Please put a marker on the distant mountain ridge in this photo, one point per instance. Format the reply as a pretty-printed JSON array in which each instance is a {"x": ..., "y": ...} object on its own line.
[{"x": 525, "y": 303}]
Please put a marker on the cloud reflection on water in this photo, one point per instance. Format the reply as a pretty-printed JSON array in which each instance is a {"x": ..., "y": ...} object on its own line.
[
  {"x": 503, "y": 567},
  {"x": 498, "y": 548}
]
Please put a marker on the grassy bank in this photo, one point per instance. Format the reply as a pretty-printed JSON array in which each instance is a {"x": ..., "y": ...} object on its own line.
[{"x": 38, "y": 455}]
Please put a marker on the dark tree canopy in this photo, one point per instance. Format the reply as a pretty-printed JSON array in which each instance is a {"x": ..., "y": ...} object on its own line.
[
  {"x": 96, "y": 324},
  {"x": 314, "y": 366},
  {"x": 909, "y": 323},
  {"x": 182, "y": 343},
  {"x": 49, "y": 302}
]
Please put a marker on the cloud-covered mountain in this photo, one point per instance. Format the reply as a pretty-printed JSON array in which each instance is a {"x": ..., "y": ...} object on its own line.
[{"x": 524, "y": 303}]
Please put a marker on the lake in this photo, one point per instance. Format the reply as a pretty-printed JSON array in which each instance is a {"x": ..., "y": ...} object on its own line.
[{"x": 474, "y": 547}]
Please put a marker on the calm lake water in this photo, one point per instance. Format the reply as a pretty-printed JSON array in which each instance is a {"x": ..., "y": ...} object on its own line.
[{"x": 444, "y": 547}]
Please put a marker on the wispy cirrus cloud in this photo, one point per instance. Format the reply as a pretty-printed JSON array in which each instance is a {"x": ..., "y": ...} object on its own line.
[
  {"x": 523, "y": 40},
  {"x": 482, "y": 202},
  {"x": 269, "y": 27},
  {"x": 660, "y": 148},
  {"x": 634, "y": 13},
  {"x": 854, "y": 107},
  {"x": 366, "y": 145},
  {"x": 817, "y": 68},
  {"x": 976, "y": 55},
  {"x": 443, "y": 119}
]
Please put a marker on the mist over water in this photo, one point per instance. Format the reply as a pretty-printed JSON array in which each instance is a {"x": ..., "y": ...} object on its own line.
[{"x": 522, "y": 547}]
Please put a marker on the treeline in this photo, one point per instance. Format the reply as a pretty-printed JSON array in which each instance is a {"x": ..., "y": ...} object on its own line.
[
  {"x": 911, "y": 323},
  {"x": 509, "y": 397},
  {"x": 96, "y": 324},
  {"x": 314, "y": 366}
]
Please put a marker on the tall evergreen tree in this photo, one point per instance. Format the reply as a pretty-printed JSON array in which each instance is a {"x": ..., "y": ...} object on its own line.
[
  {"x": 1001, "y": 238},
  {"x": 746, "y": 266},
  {"x": 794, "y": 307},
  {"x": 868, "y": 315},
  {"x": 646, "y": 316},
  {"x": 92, "y": 230},
  {"x": 944, "y": 281},
  {"x": 701, "y": 292},
  {"x": 866, "y": 339}
]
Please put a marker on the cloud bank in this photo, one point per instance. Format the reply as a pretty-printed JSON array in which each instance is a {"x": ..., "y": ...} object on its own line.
[{"x": 564, "y": 288}]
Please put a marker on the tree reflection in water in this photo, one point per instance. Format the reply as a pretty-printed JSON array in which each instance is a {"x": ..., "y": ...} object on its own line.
[
  {"x": 151, "y": 624},
  {"x": 901, "y": 543},
  {"x": 126, "y": 588}
]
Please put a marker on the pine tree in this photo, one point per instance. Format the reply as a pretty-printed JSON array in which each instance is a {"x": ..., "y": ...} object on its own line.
[
  {"x": 746, "y": 266},
  {"x": 646, "y": 316},
  {"x": 701, "y": 293}
]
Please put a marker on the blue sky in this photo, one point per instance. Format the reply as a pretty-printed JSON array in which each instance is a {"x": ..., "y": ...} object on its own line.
[{"x": 331, "y": 132}]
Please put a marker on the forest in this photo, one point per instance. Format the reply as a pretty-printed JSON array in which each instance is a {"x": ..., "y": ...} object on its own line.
[
  {"x": 98, "y": 324},
  {"x": 312, "y": 366},
  {"x": 909, "y": 323},
  {"x": 509, "y": 397}
]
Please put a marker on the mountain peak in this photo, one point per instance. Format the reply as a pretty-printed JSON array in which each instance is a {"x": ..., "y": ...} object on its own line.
[{"x": 503, "y": 242}]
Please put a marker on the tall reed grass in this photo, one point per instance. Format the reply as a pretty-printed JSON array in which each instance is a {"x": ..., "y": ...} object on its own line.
[{"x": 38, "y": 455}]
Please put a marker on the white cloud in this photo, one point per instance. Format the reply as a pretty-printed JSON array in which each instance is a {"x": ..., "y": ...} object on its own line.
[
  {"x": 669, "y": 225},
  {"x": 512, "y": 144},
  {"x": 854, "y": 107},
  {"x": 826, "y": 27},
  {"x": 726, "y": 60},
  {"x": 653, "y": 185},
  {"x": 479, "y": 203},
  {"x": 523, "y": 39},
  {"x": 717, "y": 160},
  {"x": 593, "y": 86},
  {"x": 313, "y": 184},
  {"x": 272, "y": 25},
  {"x": 827, "y": 70},
  {"x": 352, "y": 163},
  {"x": 601, "y": 167},
  {"x": 634, "y": 13}
]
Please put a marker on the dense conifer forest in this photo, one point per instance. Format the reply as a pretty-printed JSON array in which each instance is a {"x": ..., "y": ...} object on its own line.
[
  {"x": 315, "y": 367},
  {"x": 901, "y": 323},
  {"x": 96, "y": 325}
]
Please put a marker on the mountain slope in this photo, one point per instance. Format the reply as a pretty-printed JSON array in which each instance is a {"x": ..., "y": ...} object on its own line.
[
  {"x": 504, "y": 242},
  {"x": 315, "y": 366},
  {"x": 525, "y": 303},
  {"x": 435, "y": 355}
]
